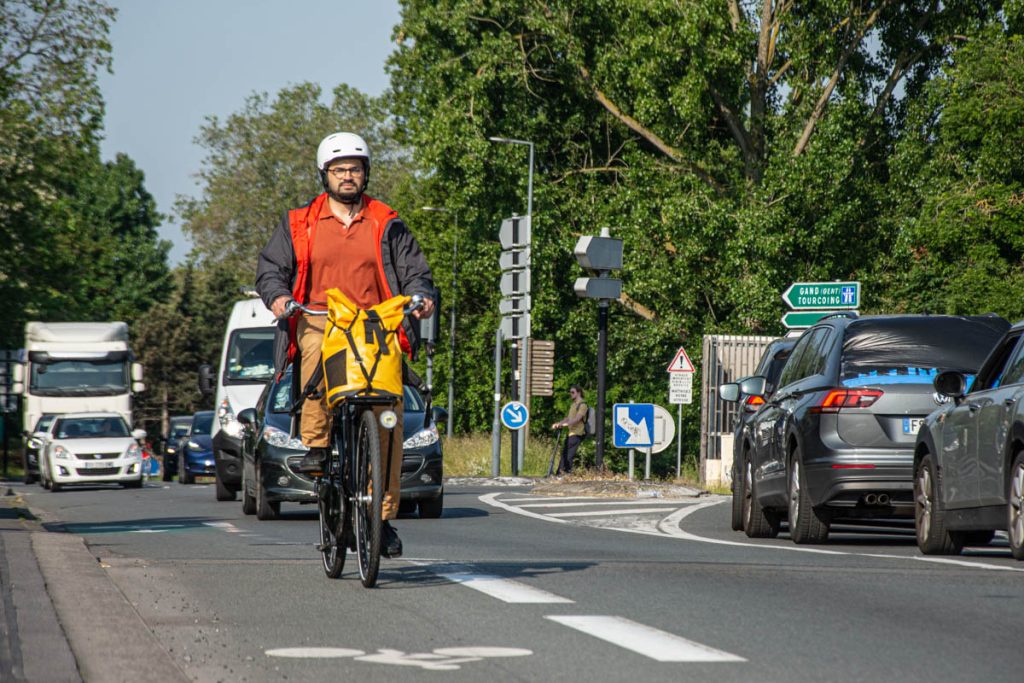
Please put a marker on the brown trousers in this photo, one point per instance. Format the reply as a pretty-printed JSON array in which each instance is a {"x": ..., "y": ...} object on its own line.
[{"x": 315, "y": 425}]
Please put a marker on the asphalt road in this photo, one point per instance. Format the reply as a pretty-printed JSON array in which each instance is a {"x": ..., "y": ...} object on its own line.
[{"x": 512, "y": 586}]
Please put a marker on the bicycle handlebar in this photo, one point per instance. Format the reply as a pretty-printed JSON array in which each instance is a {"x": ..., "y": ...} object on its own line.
[{"x": 293, "y": 307}]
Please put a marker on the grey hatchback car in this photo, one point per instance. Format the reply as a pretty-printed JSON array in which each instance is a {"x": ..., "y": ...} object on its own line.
[
  {"x": 969, "y": 459},
  {"x": 836, "y": 439}
]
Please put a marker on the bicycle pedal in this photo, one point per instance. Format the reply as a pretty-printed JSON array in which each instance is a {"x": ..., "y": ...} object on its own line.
[{"x": 321, "y": 547}]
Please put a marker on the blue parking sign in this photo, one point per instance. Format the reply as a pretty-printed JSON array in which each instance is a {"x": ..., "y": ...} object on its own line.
[{"x": 634, "y": 425}]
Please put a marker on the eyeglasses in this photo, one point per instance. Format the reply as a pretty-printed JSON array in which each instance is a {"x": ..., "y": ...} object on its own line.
[{"x": 340, "y": 172}]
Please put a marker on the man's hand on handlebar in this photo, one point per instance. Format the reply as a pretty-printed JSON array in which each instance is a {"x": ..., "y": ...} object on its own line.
[
  {"x": 424, "y": 311},
  {"x": 277, "y": 308}
]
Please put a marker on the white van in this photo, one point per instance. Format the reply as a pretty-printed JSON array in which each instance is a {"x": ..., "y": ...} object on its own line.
[{"x": 246, "y": 365}]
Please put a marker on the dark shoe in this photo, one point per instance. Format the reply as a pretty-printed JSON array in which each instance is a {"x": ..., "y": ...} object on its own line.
[
  {"x": 314, "y": 461},
  {"x": 391, "y": 544}
]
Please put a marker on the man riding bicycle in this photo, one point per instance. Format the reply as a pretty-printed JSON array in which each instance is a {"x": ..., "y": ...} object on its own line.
[{"x": 349, "y": 240}]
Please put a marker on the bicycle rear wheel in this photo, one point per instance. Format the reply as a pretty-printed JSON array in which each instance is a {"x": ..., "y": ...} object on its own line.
[
  {"x": 332, "y": 525},
  {"x": 369, "y": 498}
]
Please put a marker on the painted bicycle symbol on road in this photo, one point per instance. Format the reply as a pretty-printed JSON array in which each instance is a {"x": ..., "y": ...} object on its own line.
[{"x": 440, "y": 659}]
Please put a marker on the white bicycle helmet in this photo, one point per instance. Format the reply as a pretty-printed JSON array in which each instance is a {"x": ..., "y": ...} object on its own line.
[{"x": 337, "y": 145}]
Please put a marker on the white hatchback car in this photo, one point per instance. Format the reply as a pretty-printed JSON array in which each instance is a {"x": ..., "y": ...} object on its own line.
[{"x": 90, "y": 448}]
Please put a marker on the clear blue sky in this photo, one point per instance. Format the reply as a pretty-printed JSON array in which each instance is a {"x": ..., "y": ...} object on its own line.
[{"x": 178, "y": 61}]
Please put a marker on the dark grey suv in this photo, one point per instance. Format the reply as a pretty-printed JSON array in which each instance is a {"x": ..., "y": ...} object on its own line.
[
  {"x": 969, "y": 460},
  {"x": 836, "y": 440}
]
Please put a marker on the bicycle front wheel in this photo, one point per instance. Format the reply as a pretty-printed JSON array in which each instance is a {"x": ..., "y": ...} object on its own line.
[
  {"x": 369, "y": 498},
  {"x": 332, "y": 524}
]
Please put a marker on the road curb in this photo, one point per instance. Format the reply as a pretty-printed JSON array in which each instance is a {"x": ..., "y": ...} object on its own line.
[{"x": 109, "y": 639}]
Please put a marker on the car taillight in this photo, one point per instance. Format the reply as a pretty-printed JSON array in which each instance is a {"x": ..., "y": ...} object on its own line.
[
  {"x": 837, "y": 399},
  {"x": 752, "y": 404}
]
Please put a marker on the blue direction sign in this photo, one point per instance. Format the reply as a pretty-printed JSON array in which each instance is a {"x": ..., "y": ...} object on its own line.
[
  {"x": 515, "y": 415},
  {"x": 824, "y": 295},
  {"x": 634, "y": 425}
]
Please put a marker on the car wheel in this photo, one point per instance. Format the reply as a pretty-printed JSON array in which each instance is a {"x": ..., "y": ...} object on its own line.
[
  {"x": 248, "y": 500},
  {"x": 929, "y": 520},
  {"x": 758, "y": 522},
  {"x": 55, "y": 487},
  {"x": 133, "y": 484},
  {"x": 738, "y": 494},
  {"x": 264, "y": 508},
  {"x": 806, "y": 525},
  {"x": 166, "y": 475},
  {"x": 432, "y": 508},
  {"x": 223, "y": 492},
  {"x": 406, "y": 507},
  {"x": 1015, "y": 508}
]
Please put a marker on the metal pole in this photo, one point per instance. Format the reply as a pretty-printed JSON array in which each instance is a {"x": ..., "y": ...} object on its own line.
[
  {"x": 602, "y": 359},
  {"x": 496, "y": 427},
  {"x": 515, "y": 396},
  {"x": 679, "y": 443},
  {"x": 451, "y": 334},
  {"x": 631, "y": 452},
  {"x": 647, "y": 465},
  {"x": 524, "y": 388}
]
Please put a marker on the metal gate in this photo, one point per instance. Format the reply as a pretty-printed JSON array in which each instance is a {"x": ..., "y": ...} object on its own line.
[{"x": 727, "y": 358}]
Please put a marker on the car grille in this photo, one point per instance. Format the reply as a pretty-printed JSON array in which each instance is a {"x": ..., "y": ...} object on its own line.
[
  {"x": 411, "y": 463},
  {"x": 97, "y": 456},
  {"x": 97, "y": 471}
]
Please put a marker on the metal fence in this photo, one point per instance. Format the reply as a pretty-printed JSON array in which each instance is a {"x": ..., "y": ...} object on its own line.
[{"x": 726, "y": 359}]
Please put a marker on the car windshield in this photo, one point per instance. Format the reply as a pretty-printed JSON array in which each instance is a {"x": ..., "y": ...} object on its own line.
[
  {"x": 281, "y": 400},
  {"x": 251, "y": 355},
  {"x": 202, "y": 424},
  {"x": 179, "y": 429},
  {"x": 91, "y": 428},
  {"x": 79, "y": 378}
]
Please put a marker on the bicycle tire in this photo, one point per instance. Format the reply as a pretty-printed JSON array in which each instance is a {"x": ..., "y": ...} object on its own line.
[
  {"x": 369, "y": 498},
  {"x": 332, "y": 524}
]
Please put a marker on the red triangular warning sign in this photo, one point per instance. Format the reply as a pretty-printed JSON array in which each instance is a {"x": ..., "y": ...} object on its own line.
[{"x": 681, "y": 363}]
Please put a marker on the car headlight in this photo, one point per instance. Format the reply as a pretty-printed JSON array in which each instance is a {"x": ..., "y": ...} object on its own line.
[
  {"x": 193, "y": 444},
  {"x": 228, "y": 422},
  {"x": 62, "y": 453},
  {"x": 133, "y": 452},
  {"x": 281, "y": 439},
  {"x": 170, "y": 449},
  {"x": 422, "y": 438}
]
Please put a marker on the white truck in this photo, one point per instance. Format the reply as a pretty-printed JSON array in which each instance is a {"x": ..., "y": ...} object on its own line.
[
  {"x": 74, "y": 368},
  {"x": 246, "y": 365}
]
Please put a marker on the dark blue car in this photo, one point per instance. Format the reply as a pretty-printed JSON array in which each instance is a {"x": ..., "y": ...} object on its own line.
[{"x": 195, "y": 457}]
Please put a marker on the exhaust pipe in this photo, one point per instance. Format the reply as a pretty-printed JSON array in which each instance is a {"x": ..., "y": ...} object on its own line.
[
  {"x": 871, "y": 499},
  {"x": 883, "y": 498}
]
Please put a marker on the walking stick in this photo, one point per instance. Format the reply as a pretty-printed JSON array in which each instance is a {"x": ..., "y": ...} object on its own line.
[{"x": 551, "y": 465}]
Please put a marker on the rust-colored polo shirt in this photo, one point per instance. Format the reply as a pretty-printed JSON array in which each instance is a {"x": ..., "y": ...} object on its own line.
[{"x": 346, "y": 258}]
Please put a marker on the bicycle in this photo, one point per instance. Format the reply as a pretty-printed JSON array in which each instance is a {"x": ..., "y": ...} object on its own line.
[{"x": 350, "y": 490}]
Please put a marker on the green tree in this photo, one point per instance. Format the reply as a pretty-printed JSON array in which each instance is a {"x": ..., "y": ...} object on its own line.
[{"x": 734, "y": 146}]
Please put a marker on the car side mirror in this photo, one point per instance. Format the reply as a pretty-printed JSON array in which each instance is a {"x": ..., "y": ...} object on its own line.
[
  {"x": 440, "y": 415},
  {"x": 951, "y": 383},
  {"x": 247, "y": 417},
  {"x": 753, "y": 386},
  {"x": 205, "y": 379},
  {"x": 729, "y": 392}
]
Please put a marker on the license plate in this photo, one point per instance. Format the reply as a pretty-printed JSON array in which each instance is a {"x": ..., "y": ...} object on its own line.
[
  {"x": 911, "y": 425},
  {"x": 95, "y": 465}
]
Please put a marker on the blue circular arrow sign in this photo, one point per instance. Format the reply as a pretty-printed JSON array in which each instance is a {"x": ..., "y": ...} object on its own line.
[{"x": 514, "y": 415}]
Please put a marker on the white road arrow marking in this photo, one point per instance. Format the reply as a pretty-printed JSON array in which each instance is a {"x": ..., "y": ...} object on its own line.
[{"x": 638, "y": 433}]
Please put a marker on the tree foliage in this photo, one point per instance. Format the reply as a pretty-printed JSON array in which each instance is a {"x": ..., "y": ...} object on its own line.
[{"x": 734, "y": 146}]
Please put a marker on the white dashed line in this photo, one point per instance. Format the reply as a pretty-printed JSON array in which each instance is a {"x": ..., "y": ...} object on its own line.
[
  {"x": 502, "y": 589},
  {"x": 605, "y": 513},
  {"x": 645, "y": 640}
]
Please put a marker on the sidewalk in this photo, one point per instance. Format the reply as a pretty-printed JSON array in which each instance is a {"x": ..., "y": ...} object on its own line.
[{"x": 61, "y": 617}]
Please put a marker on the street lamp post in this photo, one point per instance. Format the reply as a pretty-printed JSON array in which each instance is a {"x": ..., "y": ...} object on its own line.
[
  {"x": 524, "y": 345},
  {"x": 453, "y": 297}
]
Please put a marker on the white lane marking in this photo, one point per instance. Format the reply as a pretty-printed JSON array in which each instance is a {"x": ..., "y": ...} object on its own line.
[
  {"x": 592, "y": 501},
  {"x": 645, "y": 640},
  {"x": 534, "y": 499},
  {"x": 224, "y": 526},
  {"x": 670, "y": 526},
  {"x": 605, "y": 513},
  {"x": 492, "y": 500},
  {"x": 304, "y": 652},
  {"x": 505, "y": 590}
]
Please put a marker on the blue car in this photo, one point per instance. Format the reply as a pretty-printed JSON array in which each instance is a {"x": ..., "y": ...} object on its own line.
[{"x": 195, "y": 457}]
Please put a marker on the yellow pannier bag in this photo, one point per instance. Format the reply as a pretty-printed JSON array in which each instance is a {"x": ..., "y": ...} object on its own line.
[{"x": 361, "y": 353}]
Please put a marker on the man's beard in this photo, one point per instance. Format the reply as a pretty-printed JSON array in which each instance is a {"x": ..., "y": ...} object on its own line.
[{"x": 345, "y": 197}]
